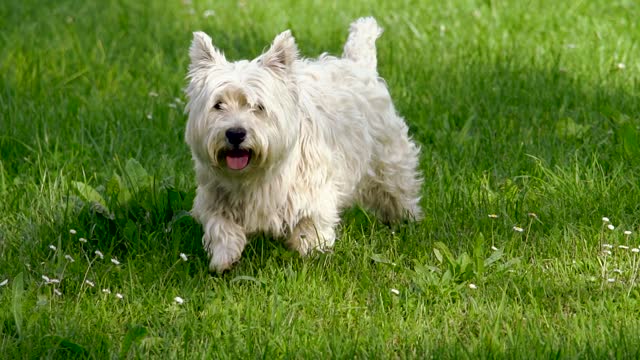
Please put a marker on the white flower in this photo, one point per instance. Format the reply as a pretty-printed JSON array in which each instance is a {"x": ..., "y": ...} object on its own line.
[
  {"x": 53, "y": 281},
  {"x": 518, "y": 229},
  {"x": 494, "y": 248},
  {"x": 610, "y": 227},
  {"x": 623, "y": 247},
  {"x": 635, "y": 250},
  {"x": 395, "y": 291},
  {"x": 52, "y": 247},
  {"x": 72, "y": 232},
  {"x": 82, "y": 240},
  {"x": 627, "y": 232},
  {"x": 605, "y": 219},
  {"x": 119, "y": 296},
  {"x": 69, "y": 258},
  {"x": 607, "y": 246},
  {"x": 45, "y": 278},
  {"x": 173, "y": 106},
  {"x": 100, "y": 254},
  {"x": 90, "y": 283},
  {"x": 106, "y": 291},
  {"x": 57, "y": 292},
  {"x": 621, "y": 66},
  {"x": 493, "y": 216},
  {"x": 153, "y": 94},
  {"x": 472, "y": 286},
  {"x": 208, "y": 13},
  {"x": 149, "y": 116},
  {"x": 178, "y": 300},
  {"x": 4, "y": 282},
  {"x": 606, "y": 252},
  {"x": 183, "y": 256},
  {"x": 611, "y": 280},
  {"x": 533, "y": 215},
  {"x": 617, "y": 271},
  {"x": 115, "y": 261}
]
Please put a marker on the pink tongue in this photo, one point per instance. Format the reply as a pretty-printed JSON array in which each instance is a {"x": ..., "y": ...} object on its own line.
[{"x": 238, "y": 161}]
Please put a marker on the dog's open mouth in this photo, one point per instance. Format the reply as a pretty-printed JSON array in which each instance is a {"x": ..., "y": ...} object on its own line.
[{"x": 237, "y": 159}]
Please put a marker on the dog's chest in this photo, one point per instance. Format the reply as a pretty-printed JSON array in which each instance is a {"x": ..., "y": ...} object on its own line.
[{"x": 265, "y": 211}]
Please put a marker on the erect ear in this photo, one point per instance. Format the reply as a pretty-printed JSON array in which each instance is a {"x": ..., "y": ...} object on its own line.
[
  {"x": 282, "y": 53},
  {"x": 202, "y": 52}
]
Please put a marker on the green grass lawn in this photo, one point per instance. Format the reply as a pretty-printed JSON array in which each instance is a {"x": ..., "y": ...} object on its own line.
[{"x": 521, "y": 108}]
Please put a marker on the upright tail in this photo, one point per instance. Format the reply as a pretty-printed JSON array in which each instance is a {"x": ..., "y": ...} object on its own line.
[{"x": 361, "y": 44}]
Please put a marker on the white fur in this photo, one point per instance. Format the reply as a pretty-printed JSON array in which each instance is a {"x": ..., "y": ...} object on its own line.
[{"x": 323, "y": 133}]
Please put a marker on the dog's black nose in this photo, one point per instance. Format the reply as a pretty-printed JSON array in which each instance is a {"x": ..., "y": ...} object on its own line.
[{"x": 236, "y": 136}]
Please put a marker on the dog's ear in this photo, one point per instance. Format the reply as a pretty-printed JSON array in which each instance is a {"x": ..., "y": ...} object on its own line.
[
  {"x": 282, "y": 53},
  {"x": 202, "y": 52}
]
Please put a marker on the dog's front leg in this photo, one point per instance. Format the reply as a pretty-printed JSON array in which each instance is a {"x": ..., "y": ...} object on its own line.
[
  {"x": 310, "y": 235},
  {"x": 224, "y": 241}
]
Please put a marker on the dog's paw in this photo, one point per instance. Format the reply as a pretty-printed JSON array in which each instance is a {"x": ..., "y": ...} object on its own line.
[
  {"x": 307, "y": 238},
  {"x": 223, "y": 259}
]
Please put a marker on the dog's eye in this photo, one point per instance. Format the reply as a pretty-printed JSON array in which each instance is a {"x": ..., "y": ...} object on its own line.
[
  {"x": 260, "y": 107},
  {"x": 218, "y": 105}
]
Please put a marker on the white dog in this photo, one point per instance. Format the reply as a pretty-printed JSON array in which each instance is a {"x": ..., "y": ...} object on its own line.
[{"x": 281, "y": 144}]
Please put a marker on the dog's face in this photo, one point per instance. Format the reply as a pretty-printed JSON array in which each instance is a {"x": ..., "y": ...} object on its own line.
[{"x": 243, "y": 115}]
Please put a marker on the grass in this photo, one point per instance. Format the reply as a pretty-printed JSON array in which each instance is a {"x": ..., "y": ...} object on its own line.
[{"x": 520, "y": 107}]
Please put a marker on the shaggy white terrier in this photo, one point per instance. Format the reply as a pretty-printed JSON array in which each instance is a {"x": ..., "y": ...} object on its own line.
[{"x": 282, "y": 144}]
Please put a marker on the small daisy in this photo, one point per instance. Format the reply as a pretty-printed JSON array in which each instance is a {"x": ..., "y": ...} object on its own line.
[
  {"x": 611, "y": 280},
  {"x": 493, "y": 216},
  {"x": 605, "y": 219},
  {"x": 82, "y": 240},
  {"x": 53, "y": 247},
  {"x": 494, "y": 248},
  {"x": 73, "y": 232},
  {"x": 90, "y": 283},
  {"x": 4, "y": 282},
  {"x": 472, "y": 286},
  {"x": 57, "y": 292},
  {"x": 606, "y": 252},
  {"x": 119, "y": 296},
  {"x": 533, "y": 215},
  {"x": 178, "y": 300},
  {"x": 183, "y": 256},
  {"x": 395, "y": 291},
  {"x": 115, "y": 261},
  {"x": 621, "y": 66},
  {"x": 635, "y": 250},
  {"x": 45, "y": 278},
  {"x": 106, "y": 291},
  {"x": 618, "y": 271},
  {"x": 607, "y": 246},
  {"x": 153, "y": 94},
  {"x": 623, "y": 247},
  {"x": 518, "y": 229},
  {"x": 100, "y": 254},
  {"x": 610, "y": 227},
  {"x": 149, "y": 116},
  {"x": 627, "y": 232},
  {"x": 53, "y": 281},
  {"x": 69, "y": 258}
]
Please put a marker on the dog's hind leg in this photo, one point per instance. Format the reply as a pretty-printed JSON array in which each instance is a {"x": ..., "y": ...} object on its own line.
[{"x": 392, "y": 190}]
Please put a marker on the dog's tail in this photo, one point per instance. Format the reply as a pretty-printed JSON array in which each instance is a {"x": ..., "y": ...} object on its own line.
[{"x": 361, "y": 44}]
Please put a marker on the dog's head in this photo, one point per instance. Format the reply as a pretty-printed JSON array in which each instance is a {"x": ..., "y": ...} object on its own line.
[{"x": 243, "y": 116}]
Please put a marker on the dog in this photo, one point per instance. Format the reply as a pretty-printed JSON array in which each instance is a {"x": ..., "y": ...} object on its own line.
[{"x": 282, "y": 144}]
